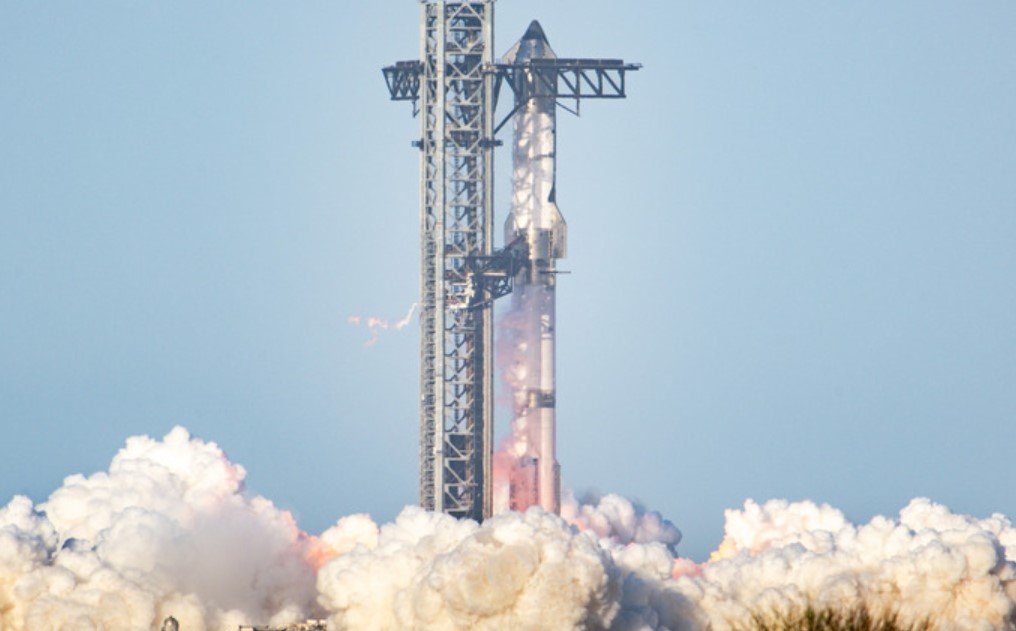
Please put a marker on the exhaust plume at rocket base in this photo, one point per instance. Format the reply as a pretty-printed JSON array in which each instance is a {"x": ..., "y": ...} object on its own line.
[
  {"x": 530, "y": 461},
  {"x": 170, "y": 530}
]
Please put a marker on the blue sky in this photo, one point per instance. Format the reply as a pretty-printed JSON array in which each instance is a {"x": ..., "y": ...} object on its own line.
[{"x": 793, "y": 249}]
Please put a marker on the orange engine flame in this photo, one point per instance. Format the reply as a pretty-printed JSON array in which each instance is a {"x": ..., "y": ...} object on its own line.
[{"x": 317, "y": 553}]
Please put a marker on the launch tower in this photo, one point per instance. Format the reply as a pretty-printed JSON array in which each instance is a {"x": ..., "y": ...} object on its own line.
[{"x": 454, "y": 88}]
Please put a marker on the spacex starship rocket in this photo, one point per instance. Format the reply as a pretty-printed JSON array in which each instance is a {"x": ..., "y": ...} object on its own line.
[
  {"x": 535, "y": 478},
  {"x": 454, "y": 88}
]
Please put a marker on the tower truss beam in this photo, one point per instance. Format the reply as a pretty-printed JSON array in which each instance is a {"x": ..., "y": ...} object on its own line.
[
  {"x": 567, "y": 78},
  {"x": 452, "y": 94}
]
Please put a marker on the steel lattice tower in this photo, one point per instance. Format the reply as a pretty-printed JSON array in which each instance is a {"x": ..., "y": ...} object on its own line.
[
  {"x": 456, "y": 201},
  {"x": 454, "y": 88}
]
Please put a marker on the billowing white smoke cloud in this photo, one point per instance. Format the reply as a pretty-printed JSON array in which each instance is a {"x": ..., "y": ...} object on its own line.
[
  {"x": 619, "y": 520},
  {"x": 532, "y": 571},
  {"x": 166, "y": 531},
  {"x": 349, "y": 532},
  {"x": 169, "y": 530},
  {"x": 428, "y": 570},
  {"x": 955, "y": 570}
]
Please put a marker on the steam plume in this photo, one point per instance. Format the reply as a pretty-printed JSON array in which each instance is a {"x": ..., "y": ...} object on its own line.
[
  {"x": 929, "y": 563},
  {"x": 169, "y": 530},
  {"x": 518, "y": 357},
  {"x": 376, "y": 325},
  {"x": 619, "y": 520}
]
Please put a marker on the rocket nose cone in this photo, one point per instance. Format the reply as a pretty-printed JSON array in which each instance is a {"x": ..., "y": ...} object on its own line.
[{"x": 535, "y": 32}]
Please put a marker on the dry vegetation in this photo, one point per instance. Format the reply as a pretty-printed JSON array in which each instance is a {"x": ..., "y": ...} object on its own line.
[{"x": 812, "y": 619}]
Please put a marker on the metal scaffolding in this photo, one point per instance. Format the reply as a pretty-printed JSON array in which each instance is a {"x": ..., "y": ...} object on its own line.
[
  {"x": 453, "y": 92},
  {"x": 454, "y": 88}
]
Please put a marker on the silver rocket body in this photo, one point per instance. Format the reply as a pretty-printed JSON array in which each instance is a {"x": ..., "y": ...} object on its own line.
[{"x": 535, "y": 474}]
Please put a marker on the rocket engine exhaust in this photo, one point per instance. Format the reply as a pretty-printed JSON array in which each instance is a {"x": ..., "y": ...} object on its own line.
[{"x": 169, "y": 530}]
